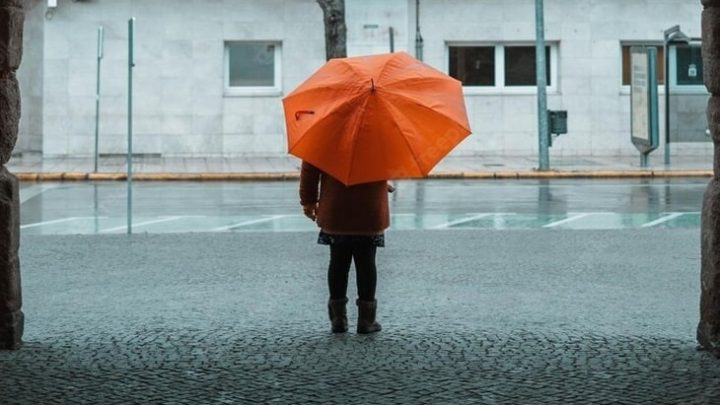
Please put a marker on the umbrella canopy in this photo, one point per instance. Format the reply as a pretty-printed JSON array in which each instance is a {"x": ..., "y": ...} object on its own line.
[{"x": 376, "y": 117}]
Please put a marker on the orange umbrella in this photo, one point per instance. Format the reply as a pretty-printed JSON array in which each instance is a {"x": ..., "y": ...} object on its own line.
[{"x": 376, "y": 117}]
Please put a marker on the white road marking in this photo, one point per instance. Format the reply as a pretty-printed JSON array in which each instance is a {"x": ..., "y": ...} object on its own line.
[
  {"x": 34, "y": 191},
  {"x": 261, "y": 219},
  {"x": 662, "y": 219},
  {"x": 463, "y": 220},
  {"x": 566, "y": 220},
  {"x": 55, "y": 221},
  {"x": 254, "y": 221},
  {"x": 156, "y": 221}
]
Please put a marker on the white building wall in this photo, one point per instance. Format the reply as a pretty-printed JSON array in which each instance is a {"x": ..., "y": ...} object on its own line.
[
  {"x": 368, "y": 26},
  {"x": 30, "y": 78},
  {"x": 589, "y": 34},
  {"x": 181, "y": 108}
]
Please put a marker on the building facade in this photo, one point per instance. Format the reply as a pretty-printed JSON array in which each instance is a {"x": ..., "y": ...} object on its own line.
[{"x": 210, "y": 75}]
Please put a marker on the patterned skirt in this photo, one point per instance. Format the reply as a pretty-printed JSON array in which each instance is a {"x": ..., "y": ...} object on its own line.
[{"x": 330, "y": 239}]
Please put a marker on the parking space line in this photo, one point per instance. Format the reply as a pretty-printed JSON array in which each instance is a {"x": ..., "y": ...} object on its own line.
[
  {"x": 55, "y": 221},
  {"x": 423, "y": 225},
  {"x": 462, "y": 220},
  {"x": 566, "y": 220},
  {"x": 251, "y": 222},
  {"x": 34, "y": 191},
  {"x": 662, "y": 219},
  {"x": 156, "y": 221}
]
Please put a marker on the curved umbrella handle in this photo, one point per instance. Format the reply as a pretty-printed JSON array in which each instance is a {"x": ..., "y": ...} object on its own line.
[{"x": 300, "y": 112}]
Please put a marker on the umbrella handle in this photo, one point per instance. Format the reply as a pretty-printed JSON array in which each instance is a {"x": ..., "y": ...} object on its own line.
[{"x": 300, "y": 112}]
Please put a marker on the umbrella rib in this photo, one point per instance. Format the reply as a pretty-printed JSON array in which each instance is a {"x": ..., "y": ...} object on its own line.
[
  {"x": 325, "y": 117},
  {"x": 325, "y": 86},
  {"x": 384, "y": 68},
  {"x": 355, "y": 138},
  {"x": 415, "y": 80},
  {"x": 418, "y": 103},
  {"x": 412, "y": 151}
]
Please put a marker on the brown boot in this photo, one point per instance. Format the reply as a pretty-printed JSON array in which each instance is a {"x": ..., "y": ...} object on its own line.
[
  {"x": 366, "y": 317},
  {"x": 338, "y": 315}
]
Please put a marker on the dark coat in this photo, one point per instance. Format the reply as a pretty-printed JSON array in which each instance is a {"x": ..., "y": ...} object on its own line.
[{"x": 361, "y": 209}]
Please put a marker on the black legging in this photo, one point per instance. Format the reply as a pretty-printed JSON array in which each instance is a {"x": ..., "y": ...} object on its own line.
[{"x": 341, "y": 255}]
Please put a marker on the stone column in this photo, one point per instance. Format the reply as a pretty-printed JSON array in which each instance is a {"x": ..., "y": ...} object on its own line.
[
  {"x": 708, "y": 331},
  {"x": 11, "y": 317}
]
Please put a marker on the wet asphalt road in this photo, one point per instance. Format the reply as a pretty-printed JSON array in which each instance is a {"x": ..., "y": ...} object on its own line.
[{"x": 50, "y": 201}]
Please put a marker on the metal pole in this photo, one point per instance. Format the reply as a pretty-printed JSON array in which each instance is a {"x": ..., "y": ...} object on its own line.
[
  {"x": 97, "y": 94},
  {"x": 392, "y": 40},
  {"x": 418, "y": 37},
  {"x": 541, "y": 84},
  {"x": 666, "y": 50},
  {"x": 652, "y": 95},
  {"x": 96, "y": 212},
  {"x": 131, "y": 64},
  {"x": 668, "y": 36},
  {"x": 672, "y": 34}
]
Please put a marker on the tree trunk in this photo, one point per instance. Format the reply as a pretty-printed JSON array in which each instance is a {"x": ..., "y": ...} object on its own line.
[
  {"x": 335, "y": 29},
  {"x": 708, "y": 330}
]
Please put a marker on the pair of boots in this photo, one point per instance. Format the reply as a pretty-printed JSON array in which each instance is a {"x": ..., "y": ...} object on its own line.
[{"x": 366, "y": 316}]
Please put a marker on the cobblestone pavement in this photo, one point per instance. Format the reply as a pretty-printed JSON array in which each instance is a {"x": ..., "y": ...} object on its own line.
[
  {"x": 294, "y": 365},
  {"x": 515, "y": 317}
]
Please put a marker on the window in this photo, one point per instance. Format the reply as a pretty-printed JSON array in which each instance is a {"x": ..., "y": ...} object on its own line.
[
  {"x": 520, "y": 66},
  {"x": 686, "y": 66},
  {"x": 626, "y": 63},
  {"x": 252, "y": 68},
  {"x": 506, "y": 68},
  {"x": 473, "y": 65}
]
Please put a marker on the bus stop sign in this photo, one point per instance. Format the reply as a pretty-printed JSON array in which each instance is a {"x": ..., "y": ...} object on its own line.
[{"x": 644, "y": 99}]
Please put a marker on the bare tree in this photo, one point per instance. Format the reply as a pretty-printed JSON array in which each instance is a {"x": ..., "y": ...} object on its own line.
[{"x": 335, "y": 29}]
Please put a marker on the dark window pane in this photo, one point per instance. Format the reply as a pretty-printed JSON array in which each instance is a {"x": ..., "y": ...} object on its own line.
[
  {"x": 251, "y": 64},
  {"x": 520, "y": 66},
  {"x": 626, "y": 65},
  {"x": 473, "y": 65},
  {"x": 689, "y": 66}
]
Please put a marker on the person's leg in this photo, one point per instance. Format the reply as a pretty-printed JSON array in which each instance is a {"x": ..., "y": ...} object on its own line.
[
  {"x": 340, "y": 260},
  {"x": 364, "y": 255}
]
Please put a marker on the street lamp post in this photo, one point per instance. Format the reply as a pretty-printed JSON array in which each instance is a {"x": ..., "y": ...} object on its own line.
[
  {"x": 131, "y": 64},
  {"x": 540, "y": 71},
  {"x": 97, "y": 94}
]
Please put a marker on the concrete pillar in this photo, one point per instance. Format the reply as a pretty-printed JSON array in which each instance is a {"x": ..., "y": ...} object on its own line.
[
  {"x": 708, "y": 331},
  {"x": 12, "y": 17}
]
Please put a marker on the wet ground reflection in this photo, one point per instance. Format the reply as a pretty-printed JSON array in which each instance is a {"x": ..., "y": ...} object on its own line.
[{"x": 496, "y": 204}]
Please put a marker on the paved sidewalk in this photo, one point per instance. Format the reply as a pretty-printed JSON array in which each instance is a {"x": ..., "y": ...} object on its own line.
[
  {"x": 156, "y": 168},
  {"x": 515, "y": 317}
]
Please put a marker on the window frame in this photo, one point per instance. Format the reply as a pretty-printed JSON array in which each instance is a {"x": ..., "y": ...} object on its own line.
[
  {"x": 680, "y": 88},
  {"x": 246, "y": 91},
  {"x": 625, "y": 88},
  {"x": 500, "y": 88}
]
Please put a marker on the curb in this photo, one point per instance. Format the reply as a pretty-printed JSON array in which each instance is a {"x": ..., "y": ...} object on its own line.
[{"x": 286, "y": 176}]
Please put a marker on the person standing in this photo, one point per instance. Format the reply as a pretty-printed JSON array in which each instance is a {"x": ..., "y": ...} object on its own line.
[{"x": 352, "y": 221}]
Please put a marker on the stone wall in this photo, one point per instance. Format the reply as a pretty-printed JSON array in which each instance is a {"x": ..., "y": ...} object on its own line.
[
  {"x": 708, "y": 331},
  {"x": 11, "y": 44}
]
